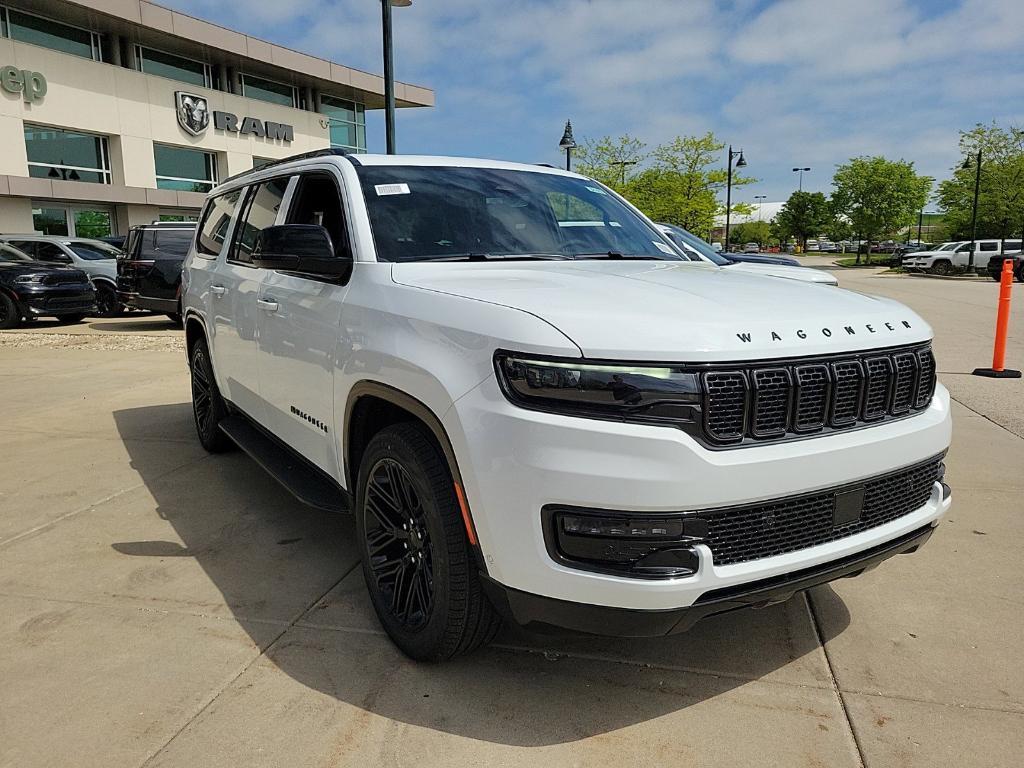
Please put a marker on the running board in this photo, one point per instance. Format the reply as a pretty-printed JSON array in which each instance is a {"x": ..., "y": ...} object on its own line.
[{"x": 306, "y": 482}]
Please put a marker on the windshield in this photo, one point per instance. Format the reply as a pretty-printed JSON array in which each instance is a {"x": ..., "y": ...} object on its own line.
[
  {"x": 685, "y": 239},
  {"x": 94, "y": 251},
  {"x": 949, "y": 246},
  {"x": 422, "y": 213},
  {"x": 10, "y": 253}
]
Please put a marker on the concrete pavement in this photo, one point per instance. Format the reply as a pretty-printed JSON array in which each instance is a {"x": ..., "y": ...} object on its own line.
[{"x": 162, "y": 607}]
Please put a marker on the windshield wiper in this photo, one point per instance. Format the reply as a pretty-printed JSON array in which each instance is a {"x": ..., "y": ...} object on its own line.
[
  {"x": 483, "y": 256},
  {"x": 616, "y": 255}
]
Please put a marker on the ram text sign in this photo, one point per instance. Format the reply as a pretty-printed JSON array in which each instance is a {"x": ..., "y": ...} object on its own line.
[{"x": 194, "y": 117}]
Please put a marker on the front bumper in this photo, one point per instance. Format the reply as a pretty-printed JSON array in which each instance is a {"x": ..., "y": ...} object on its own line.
[
  {"x": 515, "y": 462},
  {"x": 538, "y": 613},
  {"x": 47, "y": 301}
]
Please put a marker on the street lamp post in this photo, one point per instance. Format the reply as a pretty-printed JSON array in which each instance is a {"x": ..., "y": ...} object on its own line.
[
  {"x": 920, "y": 220},
  {"x": 622, "y": 167},
  {"x": 760, "y": 202},
  {"x": 801, "y": 172},
  {"x": 389, "y": 71},
  {"x": 567, "y": 144},
  {"x": 974, "y": 209},
  {"x": 740, "y": 163}
]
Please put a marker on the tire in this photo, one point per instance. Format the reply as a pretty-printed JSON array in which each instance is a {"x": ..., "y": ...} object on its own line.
[
  {"x": 10, "y": 315},
  {"x": 107, "y": 304},
  {"x": 70, "y": 319},
  {"x": 942, "y": 267},
  {"x": 208, "y": 407},
  {"x": 1020, "y": 273},
  {"x": 418, "y": 565},
  {"x": 997, "y": 277}
]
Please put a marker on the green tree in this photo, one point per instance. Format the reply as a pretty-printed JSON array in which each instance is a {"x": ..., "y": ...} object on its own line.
[
  {"x": 877, "y": 195},
  {"x": 759, "y": 232},
  {"x": 1001, "y": 187},
  {"x": 804, "y": 214},
  {"x": 609, "y": 159}
]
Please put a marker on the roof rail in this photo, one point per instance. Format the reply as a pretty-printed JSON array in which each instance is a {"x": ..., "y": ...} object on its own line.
[
  {"x": 328, "y": 152},
  {"x": 545, "y": 165}
]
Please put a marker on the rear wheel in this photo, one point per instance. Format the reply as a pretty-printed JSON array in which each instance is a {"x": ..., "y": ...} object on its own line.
[
  {"x": 942, "y": 267},
  {"x": 10, "y": 317},
  {"x": 419, "y": 567},
  {"x": 208, "y": 407}
]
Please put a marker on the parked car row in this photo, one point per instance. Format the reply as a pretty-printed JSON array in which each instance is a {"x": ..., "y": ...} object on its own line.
[
  {"x": 952, "y": 257},
  {"x": 31, "y": 289}
]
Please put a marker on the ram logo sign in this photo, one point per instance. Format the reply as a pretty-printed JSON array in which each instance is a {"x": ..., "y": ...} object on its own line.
[{"x": 194, "y": 117}]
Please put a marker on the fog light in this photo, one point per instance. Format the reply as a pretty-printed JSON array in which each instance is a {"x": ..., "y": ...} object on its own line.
[{"x": 646, "y": 546}]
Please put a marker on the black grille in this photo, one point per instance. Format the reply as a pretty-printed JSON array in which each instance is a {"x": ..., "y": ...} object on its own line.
[
  {"x": 766, "y": 529},
  {"x": 792, "y": 399},
  {"x": 66, "y": 277}
]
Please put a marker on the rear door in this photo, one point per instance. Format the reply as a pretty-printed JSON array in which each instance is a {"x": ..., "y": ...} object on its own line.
[
  {"x": 167, "y": 249},
  {"x": 300, "y": 332},
  {"x": 234, "y": 290}
]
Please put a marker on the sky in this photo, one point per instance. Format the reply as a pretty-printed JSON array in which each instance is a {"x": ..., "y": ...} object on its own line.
[{"x": 792, "y": 82}]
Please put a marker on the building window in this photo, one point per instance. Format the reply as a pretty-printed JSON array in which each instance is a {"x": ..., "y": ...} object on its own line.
[
  {"x": 259, "y": 162},
  {"x": 348, "y": 122},
  {"x": 37, "y": 30},
  {"x": 187, "y": 170},
  {"x": 54, "y": 153},
  {"x": 268, "y": 90},
  {"x": 154, "y": 62}
]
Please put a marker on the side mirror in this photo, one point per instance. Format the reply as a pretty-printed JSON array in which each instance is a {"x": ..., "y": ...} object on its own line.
[{"x": 299, "y": 248}]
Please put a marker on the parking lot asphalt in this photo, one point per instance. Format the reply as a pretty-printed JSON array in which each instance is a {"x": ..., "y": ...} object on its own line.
[{"x": 163, "y": 607}]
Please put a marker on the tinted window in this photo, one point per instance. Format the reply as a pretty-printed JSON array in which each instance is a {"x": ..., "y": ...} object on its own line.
[
  {"x": 317, "y": 202},
  {"x": 164, "y": 243},
  {"x": 420, "y": 213},
  {"x": 51, "y": 34},
  {"x": 51, "y": 252},
  {"x": 216, "y": 222},
  {"x": 27, "y": 246},
  {"x": 989, "y": 246},
  {"x": 93, "y": 251},
  {"x": 261, "y": 212}
]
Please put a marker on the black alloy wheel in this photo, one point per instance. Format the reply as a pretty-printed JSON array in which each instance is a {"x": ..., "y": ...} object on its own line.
[
  {"x": 10, "y": 317},
  {"x": 421, "y": 571},
  {"x": 208, "y": 406},
  {"x": 107, "y": 304},
  {"x": 942, "y": 267},
  {"x": 398, "y": 544}
]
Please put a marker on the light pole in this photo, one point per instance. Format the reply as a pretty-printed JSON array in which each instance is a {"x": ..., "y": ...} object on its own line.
[
  {"x": 740, "y": 163},
  {"x": 974, "y": 209},
  {"x": 389, "y": 71},
  {"x": 920, "y": 221},
  {"x": 567, "y": 144},
  {"x": 622, "y": 167},
  {"x": 801, "y": 171},
  {"x": 760, "y": 202}
]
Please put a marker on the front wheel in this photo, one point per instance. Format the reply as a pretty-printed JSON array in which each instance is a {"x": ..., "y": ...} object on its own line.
[
  {"x": 208, "y": 407},
  {"x": 10, "y": 317},
  {"x": 107, "y": 304},
  {"x": 417, "y": 562},
  {"x": 942, "y": 267}
]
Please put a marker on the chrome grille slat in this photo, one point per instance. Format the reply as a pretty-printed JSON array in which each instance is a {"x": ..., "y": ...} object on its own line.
[{"x": 791, "y": 399}]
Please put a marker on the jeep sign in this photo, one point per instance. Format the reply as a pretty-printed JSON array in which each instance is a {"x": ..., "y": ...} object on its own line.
[
  {"x": 194, "y": 117},
  {"x": 24, "y": 81}
]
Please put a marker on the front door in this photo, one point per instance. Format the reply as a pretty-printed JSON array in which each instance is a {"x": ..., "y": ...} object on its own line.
[{"x": 299, "y": 323}]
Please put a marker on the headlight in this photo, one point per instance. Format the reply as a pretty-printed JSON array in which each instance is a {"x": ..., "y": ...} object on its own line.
[
  {"x": 37, "y": 279},
  {"x": 662, "y": 394}
]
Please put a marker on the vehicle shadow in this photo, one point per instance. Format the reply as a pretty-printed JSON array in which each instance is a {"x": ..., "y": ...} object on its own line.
[
  {"x": 133, "y": 324},
  {"x": 271, "y": 557}
]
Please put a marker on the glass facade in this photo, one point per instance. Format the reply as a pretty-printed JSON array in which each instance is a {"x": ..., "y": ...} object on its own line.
[
  {"x": 154, "y": 62},
  {"x": 187, "y": 170},
  {"x": 268, "y": 90},
  {"x": 348, "y": 122},
  {"x": 37, "y": 30},
  {"x": 58, "y": 154},
  {"x": 50, "y": 221}
]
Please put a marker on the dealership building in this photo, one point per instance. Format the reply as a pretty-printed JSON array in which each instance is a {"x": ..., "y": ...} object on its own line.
[{"x": 122, "y": 112}]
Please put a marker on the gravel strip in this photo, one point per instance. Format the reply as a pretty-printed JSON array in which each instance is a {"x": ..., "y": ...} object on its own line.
[{"x": 106, "y": 341}]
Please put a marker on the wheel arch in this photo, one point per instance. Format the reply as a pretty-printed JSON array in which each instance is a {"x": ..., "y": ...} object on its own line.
[
  {"x": 372, "y": 406},
  {"x": 195, "y": 329}
]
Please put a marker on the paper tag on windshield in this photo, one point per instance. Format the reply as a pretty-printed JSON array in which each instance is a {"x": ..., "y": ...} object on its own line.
[
  {"x": 663, "y": 248},
  {"x": 391, "y": 189},
  {"x": 598, "y": 190}
]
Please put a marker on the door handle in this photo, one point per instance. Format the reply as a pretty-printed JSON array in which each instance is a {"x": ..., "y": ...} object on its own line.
[
  {"x": 218, "y": 290},
  {"x": 268, "y": 305}
]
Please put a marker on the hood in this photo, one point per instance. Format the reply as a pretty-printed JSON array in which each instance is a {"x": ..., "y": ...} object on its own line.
[
  {"x": 676, "y": 311},
  {"x": 790, "y": 273},
  {"x": 34, "y": 268}
]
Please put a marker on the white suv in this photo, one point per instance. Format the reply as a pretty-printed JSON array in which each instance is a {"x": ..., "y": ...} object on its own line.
[
  {"x": 956, "y": 256},
  {"x": 538, "y": 409}
]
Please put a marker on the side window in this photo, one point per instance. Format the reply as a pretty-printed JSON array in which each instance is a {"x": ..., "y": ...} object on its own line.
[
  {"x": 262, "y": 205},
  {"x": 216, "y": 222},
  {"x": 989, "y": 246},
  {"x": 171, "y": 243},
  {"x": 28, "y": 246},
  {"x": 52, "y": 252},
  {"x": 317, "y": 201}
]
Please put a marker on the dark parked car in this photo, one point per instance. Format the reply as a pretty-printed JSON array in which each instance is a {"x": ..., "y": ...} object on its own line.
[
  {"x": 115, "y": 240},
  {"x": 995, "y": 268},
  {"x": 31, "y": 289},
  {"x": 149, "y": 273}
]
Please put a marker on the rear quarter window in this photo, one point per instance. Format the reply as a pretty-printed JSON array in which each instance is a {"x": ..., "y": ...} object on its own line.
[{"x": 216, "y": 222}]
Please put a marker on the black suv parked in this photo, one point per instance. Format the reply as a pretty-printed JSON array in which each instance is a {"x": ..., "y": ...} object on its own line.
[
  {"x": 995, "y": 267},
  {"x": 149, "y": 273},
  {"x": 31, "y": 289}
]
